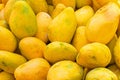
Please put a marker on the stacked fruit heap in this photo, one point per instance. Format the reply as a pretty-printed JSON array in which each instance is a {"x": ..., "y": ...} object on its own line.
[{"x": 59, "y": 40}]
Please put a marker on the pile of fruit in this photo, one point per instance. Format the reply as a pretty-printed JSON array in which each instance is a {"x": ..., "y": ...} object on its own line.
[{"x": 59, "y": 40}]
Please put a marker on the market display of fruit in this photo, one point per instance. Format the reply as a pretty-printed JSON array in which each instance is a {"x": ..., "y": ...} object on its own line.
[{"x": 59, "y": 39}]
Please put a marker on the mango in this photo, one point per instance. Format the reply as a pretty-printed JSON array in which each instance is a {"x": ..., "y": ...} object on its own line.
[
  {"x": 81, "y": 3},
  {"x": 63, "y": 70},
  {"x": 34, "y": 69},
  {"x": 10, "y": 61},
  {"x": 58, "y": 9},
  {"x": 94, "y": 55},
  {"x": 8, "y": 41},
  {"x": 79, "y": 39},
  {"x": 2, "y": 14},
  {"x": 116, "y": 54},
  {"x": 68, "y": 3},
  {"x": 103, "y": 25},
  {"x": 6, "y": 76},
  {"x": 99, "y": 3},
  {"x": 43, "y": 21},
  {"x": 63, "y": 26},
  {"x": 101, "y": 74},
  {"x": 57, "y": 51},
  {"x": 38, "y": 5},
  {"x": 22, "y": 20},
  {"x": 3, "y": 23},
  {"x": 82, "y": 15},
  {"x": 4, "y": 1}
]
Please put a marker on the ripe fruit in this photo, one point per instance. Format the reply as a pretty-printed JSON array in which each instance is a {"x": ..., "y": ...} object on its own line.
[
  {"x": 94, "y": 55},
  {"x": 57, "y": 51},
  {"x": 35, "y": 69},
  {"x": 65, "y": 70}
]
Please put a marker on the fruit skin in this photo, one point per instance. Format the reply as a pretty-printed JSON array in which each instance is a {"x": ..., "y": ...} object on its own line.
[
  {"x": 65, "y": 70},
  {"x": 6, "y": 76},
  {"x": 22, "y": 20},
  {"x": 57, "y": 51},
  {"x": 58, "y": 9},
  {"x": 43, "y": 21},
  {"x": 79, "y": 39},
  {"x": 31, "y": 47},
  {"x": 68, "y": 3},
  {"x": 81, "y": 3},
  {"x": 103, "y": 24},
  {"x": 63, "y": 26},
  {"x": 10, "y": 61},
  {"x": 101, "y": 74},
  {"x": 117, "y": 52},
  {"x": 115, "y": 70},
  {"x": 38, "y": 5},
  {"x": 82, "y": 15},
  {"x": 94, "y": 55},
  {"x": 34, "y": 69},
  {"x": 8, "y": 41}
]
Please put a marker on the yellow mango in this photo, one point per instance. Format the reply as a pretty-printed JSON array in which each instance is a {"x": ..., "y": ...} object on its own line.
[
  {"x": 94, "y": 55},
  {"x": 22, "y": 20},
  {"x": 79, "y": 38},
  {"x": 43, "y": 21},
  {"x": 1, "y": 6},
  {"x": 31, "y": 47},
  {"x": 99, "y": 3},
  {"x": 111, "y": 46},
  {"x": 38, "y": 5},
  {"x": 81, "y": 3},
  {"x": 6, "y": 76},
  {"x": 101, "y": 74},
  {"x": 83, "y": 15},
  {"x": 3, "y": 23},
  {"x": 117, "y": 52},
  {"x": 2, "y": 14},
  {"x": 58, "y": 9},
  {"x": 57, "y": 51},
  {"x": 68, "y": 3},
  {"x": 65, "y": 70},
  {"x": 8, "y": 41},
  {"x": 103, "y": 25},
  {"x": 63, "y": 26},
  {"x": 10, "y": 61},
  {"x": 34, "y": 69}
]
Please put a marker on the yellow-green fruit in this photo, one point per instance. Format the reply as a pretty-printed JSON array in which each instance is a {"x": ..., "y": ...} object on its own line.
[
  {"x": 103, "y": 25},
  {"x": 83, "y": 15},
  {"x": 81, "y": 3},
  {"x": 79, "y": 38},
  {"x": 68, "y": 3},
  {"x": 94, "y": 55},
  {"x": 99, "y": 3},
  {"x": 65, "y": 70},
  {"x": 101, "y": 74},
  {"x": 115, "y": 70},
  {"x": 117, "y": 52},
  {"x": 38, "y": 5},
  {"x": 31, "y": 47},
  {"x": 10, "y": 61},
  {"x": 8, "y": 41},
  {"x": 23, "y": 20},
  {"x": 6, "y": 76},
  {"x": 58, "y": 9},
  {"x": 57, "y": 51},
  {"x": 43, "y": 21},
  {"x": 111, "y": 46},
  {"x": 63, "y": 26},
  {"x": 34, "y": 69}
]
